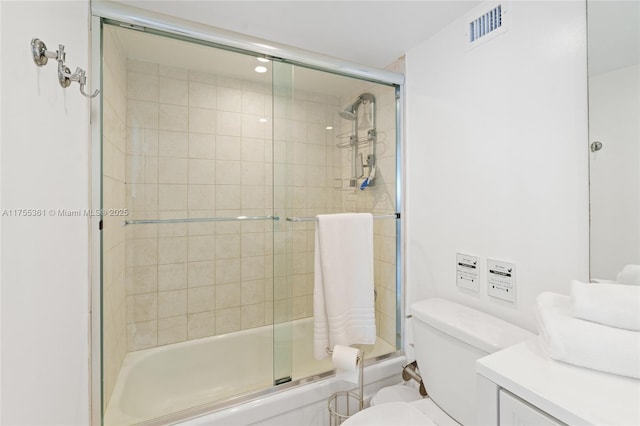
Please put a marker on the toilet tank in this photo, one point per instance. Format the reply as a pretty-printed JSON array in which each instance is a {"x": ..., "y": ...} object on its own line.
[{"x": 448, "y": 339}]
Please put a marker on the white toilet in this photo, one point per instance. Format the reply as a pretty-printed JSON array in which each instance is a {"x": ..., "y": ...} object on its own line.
[{"x": 448, "y": 340}]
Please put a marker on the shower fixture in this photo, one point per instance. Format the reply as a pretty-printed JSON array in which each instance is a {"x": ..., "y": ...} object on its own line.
[
  {"x": 357, "y": 164},
  {"x": 349, "y": 113}
]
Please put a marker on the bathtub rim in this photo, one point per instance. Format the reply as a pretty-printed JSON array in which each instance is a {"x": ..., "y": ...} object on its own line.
[{"x": 230, "y": 403}]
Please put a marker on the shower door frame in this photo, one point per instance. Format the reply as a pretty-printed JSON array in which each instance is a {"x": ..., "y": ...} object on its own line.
[{"x": 136, "y": 18}]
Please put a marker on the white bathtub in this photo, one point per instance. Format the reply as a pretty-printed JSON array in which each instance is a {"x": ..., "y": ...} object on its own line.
[{"x": 159, "y": 381}]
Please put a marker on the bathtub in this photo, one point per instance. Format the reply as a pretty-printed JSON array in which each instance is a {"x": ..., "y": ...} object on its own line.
[{"x": 212, "y": 373}]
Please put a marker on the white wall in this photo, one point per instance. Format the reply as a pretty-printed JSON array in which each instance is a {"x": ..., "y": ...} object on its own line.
[
  {"x": 45, "y": 260},
  {"x": 497, "y": 156},
  {"x": 614, "y": 108}
]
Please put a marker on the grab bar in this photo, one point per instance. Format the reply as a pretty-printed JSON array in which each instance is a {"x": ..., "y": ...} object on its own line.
[
  {"x": 198, "y": 220},
  {"x": 315, "y": 219}
]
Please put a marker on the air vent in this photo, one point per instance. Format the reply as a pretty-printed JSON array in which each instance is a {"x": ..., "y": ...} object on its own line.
[{"x": 485, "y": 24}]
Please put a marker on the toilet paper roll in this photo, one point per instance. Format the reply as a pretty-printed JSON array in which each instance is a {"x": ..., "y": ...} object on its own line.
[{"x": 345, "y": 359}]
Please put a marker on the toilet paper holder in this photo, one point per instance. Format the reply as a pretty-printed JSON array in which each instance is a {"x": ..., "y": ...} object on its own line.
[{"x": 339, "y": 403}]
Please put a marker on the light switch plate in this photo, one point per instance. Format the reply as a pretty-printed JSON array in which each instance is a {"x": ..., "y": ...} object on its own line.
[
  {"x": 501, "y": 280},
  {"x": 468, "y": 272}
]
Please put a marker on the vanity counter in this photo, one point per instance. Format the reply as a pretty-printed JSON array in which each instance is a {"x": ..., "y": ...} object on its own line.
[{"x": 569, "y": 394}]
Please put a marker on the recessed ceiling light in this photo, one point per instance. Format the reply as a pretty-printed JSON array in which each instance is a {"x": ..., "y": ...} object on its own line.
[
  {"x": 329, "y": 127},
  {"x": 262, "y": 59},
  {"x": 262, "y": 120},
  {"x": 260, "y": 69}
]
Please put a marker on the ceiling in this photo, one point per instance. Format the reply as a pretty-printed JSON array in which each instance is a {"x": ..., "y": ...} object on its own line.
[{"x": 371, "y": 33}]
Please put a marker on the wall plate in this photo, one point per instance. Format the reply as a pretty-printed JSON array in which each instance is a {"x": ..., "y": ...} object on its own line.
[
  {"x": 501, "y": 280},
  {"x": 468, "y": 272}
]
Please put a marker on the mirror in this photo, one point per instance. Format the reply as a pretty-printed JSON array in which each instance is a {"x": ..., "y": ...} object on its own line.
[{"x": 614, "y": 136}]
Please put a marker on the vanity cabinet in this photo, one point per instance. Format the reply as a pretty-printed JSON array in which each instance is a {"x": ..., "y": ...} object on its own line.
[
  {"x": 514, "y": 411},
  {"x": 521, "y": 386}
]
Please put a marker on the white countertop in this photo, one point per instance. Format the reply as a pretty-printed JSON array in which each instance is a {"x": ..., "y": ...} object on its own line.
[{"x": 573, "y": 395}]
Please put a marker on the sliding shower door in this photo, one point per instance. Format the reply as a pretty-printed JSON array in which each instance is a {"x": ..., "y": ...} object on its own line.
[
  {"x": 220, "y": 161},
  {"x": 325, "y": 163},
  {"x": 188, "y": 275}
]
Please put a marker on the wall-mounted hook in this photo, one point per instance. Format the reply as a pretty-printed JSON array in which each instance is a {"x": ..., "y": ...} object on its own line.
[{"x": 41, "y": 56}]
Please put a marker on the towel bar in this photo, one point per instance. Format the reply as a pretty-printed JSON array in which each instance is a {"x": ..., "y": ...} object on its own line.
[{"x": 315, "y": 219}]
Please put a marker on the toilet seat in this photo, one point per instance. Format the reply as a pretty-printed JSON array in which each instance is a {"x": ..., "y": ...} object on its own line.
[{"x": 392, "y": 414}]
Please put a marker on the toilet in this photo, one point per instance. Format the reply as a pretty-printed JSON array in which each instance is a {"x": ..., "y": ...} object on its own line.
[{"x": 448, "y": 339}]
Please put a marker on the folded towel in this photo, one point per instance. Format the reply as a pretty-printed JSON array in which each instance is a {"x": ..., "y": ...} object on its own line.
[
  {"x": 343, "y": 296},
  {"x": 616, "y": 305},
  {"x": 585, "y": 343},
  {"x": 630, "y": 274}
]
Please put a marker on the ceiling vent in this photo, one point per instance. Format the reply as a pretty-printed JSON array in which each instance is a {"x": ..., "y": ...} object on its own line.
[{"x": 487, "y": 25}]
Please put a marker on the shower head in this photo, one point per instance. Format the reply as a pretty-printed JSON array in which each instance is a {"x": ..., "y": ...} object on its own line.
[{"x": 348, "y": 114}]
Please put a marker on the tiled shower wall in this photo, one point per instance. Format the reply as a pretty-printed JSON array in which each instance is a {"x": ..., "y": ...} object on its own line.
[
  {"x": 199, "y": 145},
  {"x": 113, "y": 236}
]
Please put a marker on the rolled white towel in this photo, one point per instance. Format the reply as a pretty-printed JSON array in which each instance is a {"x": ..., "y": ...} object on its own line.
[
  {"x": 630, "y": 274},
  {"x": 585, "y": 343},
  {"x": 616, "y": 305}
]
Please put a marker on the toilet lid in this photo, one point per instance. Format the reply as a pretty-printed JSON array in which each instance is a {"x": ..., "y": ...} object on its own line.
[{"x": 392, "y": 414}]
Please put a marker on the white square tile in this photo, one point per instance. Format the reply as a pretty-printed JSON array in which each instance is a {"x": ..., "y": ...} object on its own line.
[
  {"x": 253, "y": 173},
  {"x": 252, "y": 127},
  {"x": 228, "y": 172},
  {"x": 252, "y": 292},
  {"x": 252, "y": 197},
  {"x": 142, "y": 114},
  {"x": 227, "y": 271},
  {"x": 201, "y": 273},
  {"x": 202, "y": 95},
  {"x": 142, "y": 307},
  {"x": 253, "y": 103},
  {"x": 142, "y": 335},
  {"x": 227, "y": 295},
  {"x": 202, "y": 145},
  {"x": 229, "y": 99},
  {"x": 172, "y": 197},
  {"x": 253, "y": 268},
  {"x": 201, "y": 324},
  {"x": 173, "y": 72},
  {"x": 173, "y": 144},
  {"x": 252, "y": 316},
  {"x": 142, "y": 87},
  {"x": 202, "y": 171},
  {"x": 202, "y": 197},
  {"x": 201, "y": 247},
  {"x": 142, "y": 279},
  {"x": 228, "y": 197},
  {"x": 228, "y": 123},
  {"x": 172, "y": 250},
  {"x": 227, "y": 246},
  {"x": 172, "y": 91},
  {"x": 172, "y": 330},
  {"x": 142, "y": 67},
  {"x": 253, "y": 149},
  {"x": 173, "y": 117},
  {"x": 228, "y": 148},
  {"x": 227, "y": 320},
  {"x": 172, "y": 276},
  {"x": 172, "y": 303},
  {"x": 201, "y": 299},
  {"x": 142, "y": 252},
  {"x": 172, "y": 170},
  {"x": 202, "y": 120}
]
